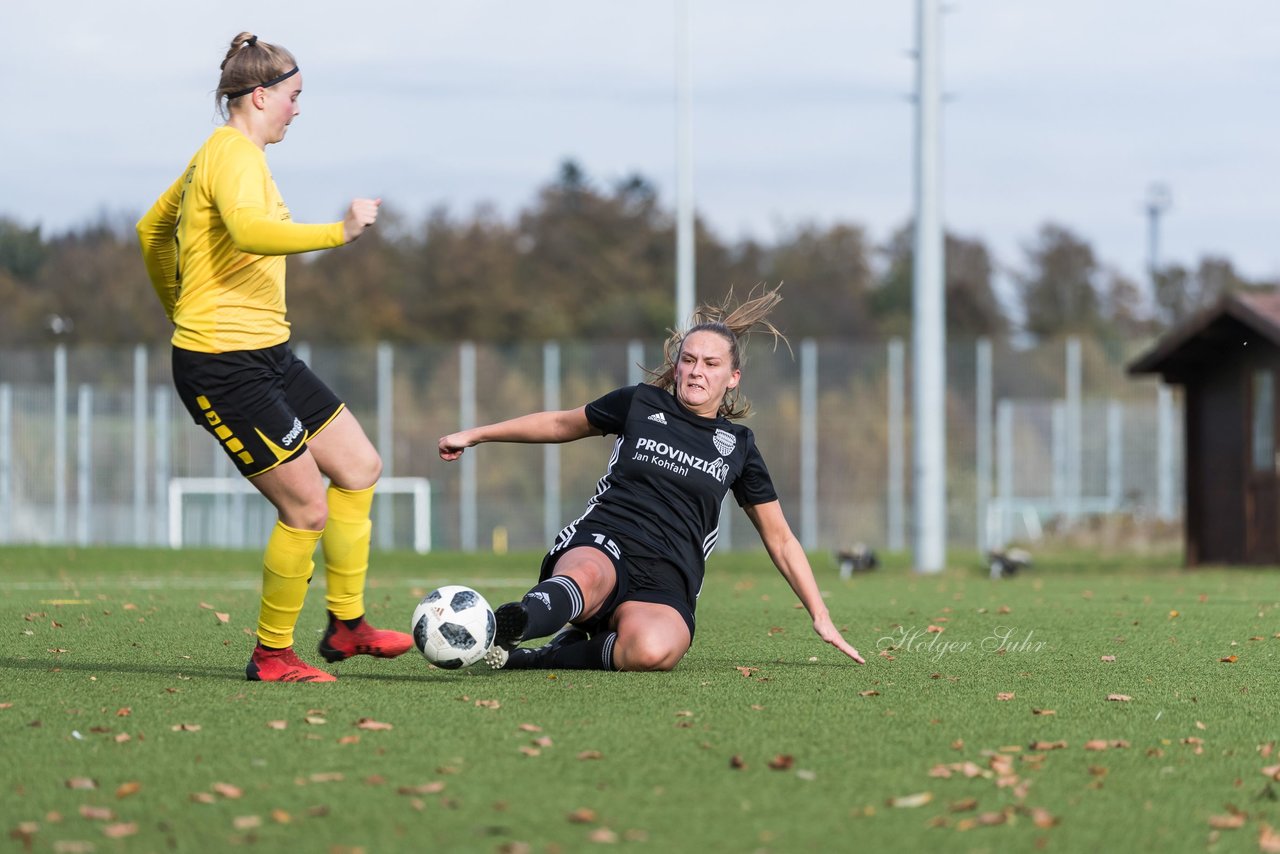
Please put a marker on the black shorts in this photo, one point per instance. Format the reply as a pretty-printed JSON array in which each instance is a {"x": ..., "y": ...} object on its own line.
[
  {"x": 639, "y": 579},
  {"x": 261, "y": 405}
]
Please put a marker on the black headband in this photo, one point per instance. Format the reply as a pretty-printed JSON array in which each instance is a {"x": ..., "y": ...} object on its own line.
[{"x": 273, "y": 81}]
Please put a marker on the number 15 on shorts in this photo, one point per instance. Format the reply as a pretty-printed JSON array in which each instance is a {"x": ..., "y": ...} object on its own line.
[{"x": 608, "y": 545}]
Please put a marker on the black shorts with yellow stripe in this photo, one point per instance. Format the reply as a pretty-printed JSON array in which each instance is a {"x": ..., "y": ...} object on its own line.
[{"x": 261, "y": 405}]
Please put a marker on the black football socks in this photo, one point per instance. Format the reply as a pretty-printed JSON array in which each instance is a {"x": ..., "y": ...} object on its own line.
[{"x": 550, "y": 605}]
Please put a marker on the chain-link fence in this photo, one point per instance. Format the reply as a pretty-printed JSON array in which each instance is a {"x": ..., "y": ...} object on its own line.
[{"x": 96, "y": 449}]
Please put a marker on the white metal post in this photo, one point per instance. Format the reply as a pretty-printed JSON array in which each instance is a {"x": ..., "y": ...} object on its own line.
[
  {"x": 163, "y": 451},
  {"x": 635, "y": 363},
  {"x": 1004, "y": 471},
  {"x": 139, "y": 445},
  {"x": 1115, "y": 455},
  {"x": 929, "y": 337},
  {"x": 386, "y": 438},
  {"x": 809, "y": 443},
  {"x": 1058, "y": 444},
  {"x": 983, "y": 428},
  {"x": 84, "y": 461},
  {"x": 897, "y": 498},
  {"x": 1074, "y": 429},
  {"x": 685, "y": 234},
  {"x": 6, "y": 462},
  {"x": 551, "y": 520},
  {"x": 60, "y": 444},
  {"x": 467, "y": 418}
]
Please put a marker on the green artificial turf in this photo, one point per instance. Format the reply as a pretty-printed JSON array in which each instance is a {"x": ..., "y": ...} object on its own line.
[{"x": 980, "y": 722}]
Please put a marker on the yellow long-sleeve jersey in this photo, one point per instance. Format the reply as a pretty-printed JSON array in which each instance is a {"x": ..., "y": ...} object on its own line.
[{"x": 214, "y": 246}]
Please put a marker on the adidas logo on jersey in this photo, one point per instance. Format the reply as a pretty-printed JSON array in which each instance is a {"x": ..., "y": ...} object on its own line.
[{"x": 658, "y": 417}]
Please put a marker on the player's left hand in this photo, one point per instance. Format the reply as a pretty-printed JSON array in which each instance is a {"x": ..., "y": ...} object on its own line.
[
  {"x": 829, "y": 633},
  {"x": 362, "y": 214}
]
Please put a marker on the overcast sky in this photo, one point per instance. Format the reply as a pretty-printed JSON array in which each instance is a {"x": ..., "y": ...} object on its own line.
[{"x": 1059, "y": 111}]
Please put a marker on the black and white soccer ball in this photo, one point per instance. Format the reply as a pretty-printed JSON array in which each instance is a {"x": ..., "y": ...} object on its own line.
[{"x": 453, "y": 626}]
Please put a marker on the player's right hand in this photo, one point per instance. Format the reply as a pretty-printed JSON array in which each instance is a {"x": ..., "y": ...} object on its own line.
[
  {"x": 452, "y": 446},
  {"x": 362, "y": 214}
]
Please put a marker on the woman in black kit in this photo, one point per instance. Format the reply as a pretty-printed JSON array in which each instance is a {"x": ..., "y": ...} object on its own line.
[{"x": 626, "y": 574}]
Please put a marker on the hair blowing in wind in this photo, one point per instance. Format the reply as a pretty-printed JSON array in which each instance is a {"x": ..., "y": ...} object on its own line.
[{"x": 732, "y": 322}]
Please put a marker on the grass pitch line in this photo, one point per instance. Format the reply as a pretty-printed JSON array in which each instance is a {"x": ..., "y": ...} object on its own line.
[{"x": 245, "y": 583}]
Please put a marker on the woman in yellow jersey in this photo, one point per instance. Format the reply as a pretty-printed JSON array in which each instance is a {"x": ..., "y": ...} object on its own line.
[{"x": 214, "y": 246}]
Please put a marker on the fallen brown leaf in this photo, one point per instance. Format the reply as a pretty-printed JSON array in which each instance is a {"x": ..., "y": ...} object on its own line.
[
  {"x": 1005, "y": 695},
  {"x": 603, "y": 835},
  {"x": 185, "y": 728},
  {"x": 82, "y": 783},
  {"x": 782, "y": 762},
  {"x": 246, "y": 822},
  {"x": 590, "y": 754},
  {"x": 582, "y": 815},
  {"x": 918, "y": 799},
  {"x": 203, "y": 798},
  {"x": 1230, "y": 659},
  {"x": 228, "y": 791},
  {"x": 529, "y": 728},
  {"x": 488, "y": 704},
  {"x": 120, "y": 830},
  {"x": 124, "y": 790},
  {"x": 1043, "y": 712},
  {"x": 277, "y": 724},
  {"x": 1268, "y": 840},
  {"x": 736, "y": 762},
  {"x": 96, "y": 813},
  {"x": 1231, "y": 821},
  {"x": 1119, "y": 698},
  {"x": 1048, "y": 745},
  {"x": 434, "y": 787},
  {"x": 371, "y": 724},
  {"x": 870, "y": 692},
  {"x": 747, "y": 671},
  {"x": 1042, "y": 818}
]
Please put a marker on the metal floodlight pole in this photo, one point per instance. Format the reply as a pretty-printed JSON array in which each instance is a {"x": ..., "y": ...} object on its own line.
[
  {"x": 929, "y": 305},
  {"x": 1159, "y": 200},
  {"x": 684, "y": 170}
]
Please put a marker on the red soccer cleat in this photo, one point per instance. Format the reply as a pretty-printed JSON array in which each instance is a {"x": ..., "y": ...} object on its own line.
[
  {"x": 340, "y": 642},
  {"x": 282, "y": 665}
]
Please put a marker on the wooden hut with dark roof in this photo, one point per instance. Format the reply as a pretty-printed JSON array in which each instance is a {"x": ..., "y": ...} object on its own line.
[{"x": 1227, "y": 360}]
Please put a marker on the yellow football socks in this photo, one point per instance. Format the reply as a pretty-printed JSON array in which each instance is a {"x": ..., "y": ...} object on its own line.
[
  {"x": 286, "y": 569},
  {"x": 346, "y": 550}
]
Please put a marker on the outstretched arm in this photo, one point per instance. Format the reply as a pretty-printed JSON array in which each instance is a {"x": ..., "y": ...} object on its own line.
[
  {"x": 789, "y": 557},
  {"x": 551, "y": 427}
]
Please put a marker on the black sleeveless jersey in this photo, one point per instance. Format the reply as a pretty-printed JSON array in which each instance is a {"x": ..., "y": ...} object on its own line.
[{"x": 668, "y": 475}]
